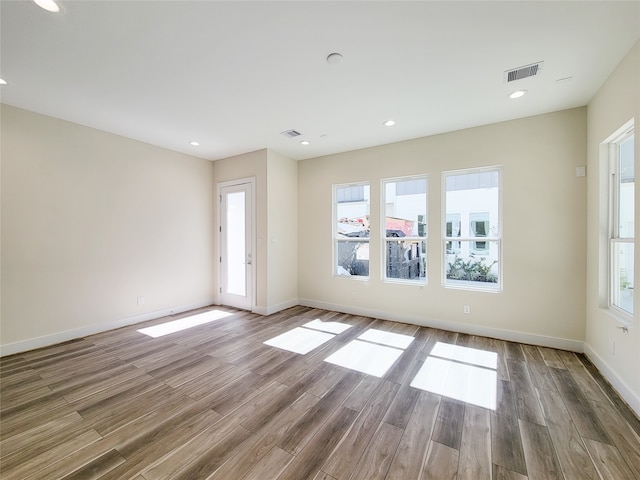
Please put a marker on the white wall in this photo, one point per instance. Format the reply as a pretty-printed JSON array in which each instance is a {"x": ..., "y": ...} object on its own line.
[
  {"x": 543, "y": 300},
  {"x": 615, "y": 103},
  {"x": 253, "y": 164},
  {"x": 276, "y": 224},
  {"x": 282, "y": 219},
  {"x": 90, "y": 222}
]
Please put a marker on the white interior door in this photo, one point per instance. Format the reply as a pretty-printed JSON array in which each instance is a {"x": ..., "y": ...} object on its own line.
[{"x": 236, "y": 255}]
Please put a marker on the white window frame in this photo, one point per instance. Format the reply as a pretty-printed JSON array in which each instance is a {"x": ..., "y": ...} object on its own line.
[
  {"x": 383, "y": 230},
  {"x": 497, "y": 239},
  {"x": 334, "y": 232},
  {"x": 613, "y": 143}
]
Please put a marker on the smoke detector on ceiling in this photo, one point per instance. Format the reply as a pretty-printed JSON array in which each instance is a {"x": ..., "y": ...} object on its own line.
[
  {"x": 526, "y": 71},
  {"x": 334, "y": 58}
]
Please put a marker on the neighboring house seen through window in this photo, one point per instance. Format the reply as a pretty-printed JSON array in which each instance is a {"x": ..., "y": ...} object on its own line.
[
  {"x": 351, "y": 230},
  {"x": 472, "y": 232},
  {"x": 404, "y": 229},
  {"x": 453, "y": 231}
]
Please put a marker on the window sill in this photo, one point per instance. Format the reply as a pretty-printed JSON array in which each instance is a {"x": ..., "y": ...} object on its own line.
[
  {"x": 410, "y": 283},
  {"x": 472, "y": 286},
  {"x": 624, "y": 319},
  {"x": 353, "y": 277}
]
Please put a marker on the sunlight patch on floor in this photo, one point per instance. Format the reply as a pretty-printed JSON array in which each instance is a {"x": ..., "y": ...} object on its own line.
[
  {"x": 462, "y": 374},
  {"x": 365, "y": 357},
  {"x": 299, "y": 340},
  {"x": 373, "y": 352},
  {"x": 307, "y": 337},
  {"x": 387, "y": 338},
  {"x": 472, "y": 356},
  {"x": 331, "y": 327},
  {"x": 184, "y": 323}
]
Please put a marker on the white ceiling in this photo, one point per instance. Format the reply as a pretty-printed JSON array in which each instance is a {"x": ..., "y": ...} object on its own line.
[{"x": 233, "y": 75}]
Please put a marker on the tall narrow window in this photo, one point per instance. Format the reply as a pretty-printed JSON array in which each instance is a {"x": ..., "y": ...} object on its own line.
[
  {"x": 405, "y": 229},
  {"x": 472, "y": 233},
  {"x": 622, "y": 198},
  {"x": 351, "y": 230}
]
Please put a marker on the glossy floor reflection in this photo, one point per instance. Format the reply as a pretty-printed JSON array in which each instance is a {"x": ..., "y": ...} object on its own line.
[{"x": 465, "y": 374}]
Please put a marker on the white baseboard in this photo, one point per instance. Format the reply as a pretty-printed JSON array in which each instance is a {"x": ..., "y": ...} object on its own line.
[
  {"x": 521, "y": 337},
  {"x": 612, "y": 377},
  {"x": 275, "y": 308},
  {"x": 55, "y": 338},
  {"x": 534, "y": 339}
]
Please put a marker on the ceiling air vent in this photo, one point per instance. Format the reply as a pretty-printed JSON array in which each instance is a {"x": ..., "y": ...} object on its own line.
[
  {"x": 291, "y": 133},
  {"x": 523, "y": 72}
]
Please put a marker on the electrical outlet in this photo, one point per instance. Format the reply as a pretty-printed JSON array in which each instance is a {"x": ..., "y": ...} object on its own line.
[
  {"x": 140, "y": 300},
  {"x": 466, "y": 309},
  {"x": 353, "y": 294}
]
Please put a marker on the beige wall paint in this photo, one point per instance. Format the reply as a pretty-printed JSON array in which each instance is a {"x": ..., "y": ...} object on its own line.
[
  {"x": 91, "y": 221},
  {"x": 544, "y": 227},
  {"x": 282, "y": 238},
  {"x": 276, "y": 223},
  {"x": 250, "y": 165},
  {"x": 616, "y": 102}
]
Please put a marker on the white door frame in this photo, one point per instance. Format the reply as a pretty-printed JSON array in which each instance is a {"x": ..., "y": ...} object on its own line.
[{"x": 252, "y": 219}]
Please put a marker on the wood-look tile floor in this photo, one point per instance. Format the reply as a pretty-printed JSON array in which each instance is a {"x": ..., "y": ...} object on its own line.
[{"x": 215, "y": 402}]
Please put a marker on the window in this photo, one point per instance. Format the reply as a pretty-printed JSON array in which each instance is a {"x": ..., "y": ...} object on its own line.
[
  {"x": 405, "y": 229},
  {"x": 472, "y": 234},
  {"x": 621, "y": 241},
  {"x": 351, "y": 230}
]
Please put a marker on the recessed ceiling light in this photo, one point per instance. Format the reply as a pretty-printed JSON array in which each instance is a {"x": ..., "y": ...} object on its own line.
[
  {"x": 48, "y": 5},
  {"x": 389, "y": 123},
  {"x": 517, "y": 94},
  {"x": 305, "y": 142},
  {"x": 194, "y": 144},
  {"x": 3, "y": 81}
]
